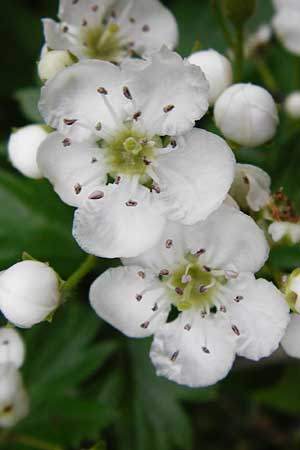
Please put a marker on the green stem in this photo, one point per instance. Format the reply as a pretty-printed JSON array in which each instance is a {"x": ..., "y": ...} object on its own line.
[
  {"x": 76, "y": 277},
  {"x": 33, "y": 442},
  {"x": 266, "y": 75},
  {"x": 239, "y": 54},
  {"x": 217, "y": 7}
]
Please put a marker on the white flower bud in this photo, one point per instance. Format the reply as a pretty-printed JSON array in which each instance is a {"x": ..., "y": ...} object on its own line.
[
  {"x": 217, "y": 70},
  {"x": 292, "y": 105},
  {"x": 286, "y": 25},
  {"x": 14, "y": 403},
  {"x": 23, "y": 146},
  {"x": 285, "y": 230},
  {"x": 12, "y": 349},
  {"x": 259, "y": 39},
  {"x": 53, "y": 62},
  {"x": 29, "y": 293},
  {"x": 251, "y": 187},
  {"x": 246, "y": 114}
]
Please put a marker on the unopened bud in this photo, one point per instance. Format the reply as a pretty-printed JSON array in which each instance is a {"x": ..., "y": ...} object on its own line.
[
  {"x": 53, "y": 62},
  {"x": 12, "y": 349},
  {"x": 292, "y": 105},
  {"x": 29, "y": 293}
]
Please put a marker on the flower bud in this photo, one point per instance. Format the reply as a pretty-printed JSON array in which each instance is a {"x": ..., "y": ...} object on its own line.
[
  {"x": 246, "y": 114},
  {"x": 14, "y": 403},
  {"x": 292, "y": 105},
  {"x": 286, "y": 25},
  {"x": 286, "y": 231},
  {"x": 238, "y": 12},
  {"x": 292, "y": 290},
  {"x": 52, "y": 62},
  {"x": 217, "y": 70},
  {"x": 29, "y": 293},
  {"x": 23, "y": 146},
  {"x": 251, "y": 187},
  {"x": 12, "y": 349}
]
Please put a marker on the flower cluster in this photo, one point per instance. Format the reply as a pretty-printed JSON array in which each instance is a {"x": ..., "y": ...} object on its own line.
[{"x": 124, "y": 144}]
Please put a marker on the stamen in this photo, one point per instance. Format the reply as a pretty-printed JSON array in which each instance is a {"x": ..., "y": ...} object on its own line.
[
  {"x": 146, "y": 161},
  {"x": 187, "y": 327},
  {"x": 145, "y": 325},
  {"x": 96, "y": 195},
  {"x": 206, "y": 269},
  {"x": 70, "y": 121},
  {"x": 94, "y": 160},
  {"x": 246, "y": 180},
  {"x": 223, "y": 309},
  {"x": 65, "y": 29},
  {"x": 236, "y": 330},
  {"x": 117, "y": 179},
  {"x": 98, "y": 126},
  {"x": 138, "y": 297},
  {"x": 231, "y": 274},
  {"x": 173, "y": 143},
  {"x": 131, "y": 203},
  {"x": 169, "y": 243},
  {"x": 238, "y": 298},
  {"x": 174, "y": 356},
  {"x": 168, "y": 108},
  {"x": 203, "y": 289},
  {"x": 137, "y": 115},
  {"x": 155, "y": 187},
  {"x": 155, "y": 307},
  {"x": 205, "y": 350},
  {"x": 131, "y": 19},
  {"x": 200, "y": 252},
  {"x": 203, "y": 314},
  {"x": 102, "y": 90},
  {"x": 77, "y": 188},
  {"x": 94, "y": 8},
  {"x": 66, "y": 142},
  {"x": 178, "y": 291},
  {"x": 113, "y": 14},
  {"x": 164, "y": 273},
  {"x": 141, "y": 274},
  {"x": 84, "y": 23},
  {"x": 127, "y": 93},
  {"x": 146, "y": 28}
]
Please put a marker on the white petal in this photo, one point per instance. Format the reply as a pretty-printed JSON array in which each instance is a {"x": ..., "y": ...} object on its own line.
[
  {"x": 57, "y": 39},
  {"x": 165, "y": 80},
  {"x": 112, "y": 228},
  {"x": 12, "y": 348},
  {"x": 286, "y": 25},
  {"x": 196, "y": 176},
  {"x": 261, "y": 316},
  {"x": 251, "y": 187},
  {"x": 193, "y": 365},
  {"x": 232, "y": 240},
  {"x": 113, "y": 297},
  {"x": 167, "y": 253},
  {"x": 91, "y": 10},
  {"x": 146, "y": 23},
  {"x": 72, "y": 95},
  {"x": 280, "y": 230},
  {"x": 291, "y": 339},
  {"x": 78, "y": 167}
]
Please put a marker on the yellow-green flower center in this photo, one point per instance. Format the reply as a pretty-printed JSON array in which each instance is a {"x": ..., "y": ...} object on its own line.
[{"x": 103, "y": 42}]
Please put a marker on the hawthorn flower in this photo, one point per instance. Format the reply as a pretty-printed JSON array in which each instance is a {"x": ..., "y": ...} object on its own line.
[
  {"x": 12, "y": 349},
  {"x": 125, "y": 152},
  {"x": 111, "y": 30},
  {"x": 251, "y": 187},
  {"x": 23, "y": 146},
  {"x": 14, "y": 403},
  {"x": 29, "y": 293},
  {"x": 205, "y": 273},
  {"x": 286, "y": 24},
  {"x": 217, "y": 70},
  {"x": 246, "y": 114}
]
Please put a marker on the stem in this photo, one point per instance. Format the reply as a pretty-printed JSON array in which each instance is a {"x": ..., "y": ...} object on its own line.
[
  {"x": 266, "y": 75},
  {"x": 217, "y": 7},
  {"x": 76, "y": 277},
  {"x": 33, "y": 442},
  {"x": 239, "y": 54}
]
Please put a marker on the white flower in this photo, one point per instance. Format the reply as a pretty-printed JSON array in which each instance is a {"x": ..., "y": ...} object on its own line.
[
  {"x": 280, "y": 4},
  {"x": 286, "y": 25},
  {"x": 111, "y": 29},
  {"x": 251, "y": 187},
  {"x": 290, "y": 342},
  {"x": 246, "y": 114},
  {"x": 12, "y": 349},
  {"x": 53, "y": 62},
  {"x": 120, "y": 115},
  {"x": 292, "y": 105},
  {"x": 14, "y": 403},
  {"x": 23, "y": 145},
  {"x": 217, "y": 70},
  {"x": 288, "y": 230},
  {"x": 29, "y": 293},
  {"x": 259, "y": 39},
  {"x": 206, "y": 272}
]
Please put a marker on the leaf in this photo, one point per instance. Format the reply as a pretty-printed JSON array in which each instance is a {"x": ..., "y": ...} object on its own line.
[{"x": 28, "y": 100}]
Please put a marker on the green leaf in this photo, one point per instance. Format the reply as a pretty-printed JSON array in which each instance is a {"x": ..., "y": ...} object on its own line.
[{"x": 28, "y": 100}]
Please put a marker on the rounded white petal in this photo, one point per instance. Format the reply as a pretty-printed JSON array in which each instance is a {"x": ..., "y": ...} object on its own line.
[
  {"x": 23, "y": 146},
  {"x": 73, "y": 12},
  {"x": 72, "y": 95},
  {"x": 52, "y": 63},
  {"x": 73, "y": 170},
  {"x": 113, "y": 297},
  {"x": 279, "y": 4},
  {"x": 280, "y": 230},
  {"x": 14, "y": 402},
  {"x": 146, "y": 23},
  {"x": 291, "y": 339},
  {"x": 12, "y": 349},
  {"x": 292, "y": 105},
  {"x": 29, "y": 293},
  {"x": 170, "y": 93},
  {"x": 261, "y": 316},
  {"x": 121, "y": 224},
  {"x": 286, "y": 26},
  {"x": 196, "y": 176},
  {"x": 197, "y": 355},
  {"x": 217, "y": 70},
  {"x": 251, "y": 187},
  {"x": 246, "y": 114},
  {"x": 232, "y": 241}
]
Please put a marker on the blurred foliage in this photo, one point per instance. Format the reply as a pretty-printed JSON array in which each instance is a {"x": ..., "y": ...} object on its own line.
[{"x": 91, "y": 388}]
